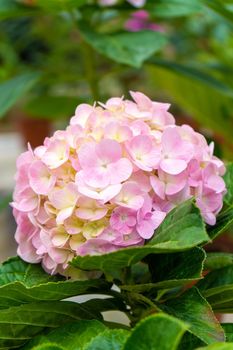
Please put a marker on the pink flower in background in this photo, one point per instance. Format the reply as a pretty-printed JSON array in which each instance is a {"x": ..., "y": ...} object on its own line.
[
  {"x": 108, "y": 181},
  {"x": 140, "y": 20},
  {"x": 135, "y": 3}
]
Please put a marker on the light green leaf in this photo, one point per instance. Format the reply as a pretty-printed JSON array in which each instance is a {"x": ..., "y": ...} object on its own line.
[
  {"x": 156, "y": 332},
  {"x": 215, "y": 115},
  {"x": 217, "y": 287},
  {"x": 21, "y": 323},
  {"x": 73, "y": 336},
  {"x": 172, "y": 270},
  {"x": 174, "y": 8},
  {"x": 228, "y": 178},
  {"x": 112, "y": 339},
  {"x": 216, "y": 261},
  {"x": 220, "y": 8},
  {"x": 21, "y": 282},
  {"x": 82, "y": 335},
  {"x": 193, "y": 309},
  {"x": 127, "y": 48},
  {"x": 14, "y": 89},
  {"x": 224, "y": 221},
  {"x": 182, "y": 229},
  {"x": 218, "y": 346}
]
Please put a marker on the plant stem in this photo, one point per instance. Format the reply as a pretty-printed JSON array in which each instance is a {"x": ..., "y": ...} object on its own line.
[{"x": 88, "y": 61}]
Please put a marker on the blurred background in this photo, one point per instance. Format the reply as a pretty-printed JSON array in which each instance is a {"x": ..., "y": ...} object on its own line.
[{"x": 55, "y": 54}]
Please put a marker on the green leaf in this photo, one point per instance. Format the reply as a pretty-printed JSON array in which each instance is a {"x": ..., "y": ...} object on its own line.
[
  {"x": 11, "y": 8},
  {"x": 228, "y": 329},
  {"x": 228, "y": 178},
  {"x": 82, "y": 335},
  {"x": 193, "y": 309},
  {"x": 216, "y": 261},
  {"x": 112, "y": 339},
  {"x": 224, "y": 221},
  {"x": 127, "y": 48},
  {"x": 217, "y": 287},
  {"x": 14, "y": 89},
  {"x": 220, "y": 9},
  {"x": 182, "y": 229},
  {"x": 156, "y": 332},
  {"x": 21, "y": 323},
  {"x": 4, "y": 202},
  {"x": 21, "y": 282},
  {"x": 51, "y": 107},
  {"x": 174, "y": 8},
  {"x": 172, "y": 270},
  {"x": 59, "y": 5},
  {"x": 215, "y": 115},
  {"x": 72, "y": 336},
  {"x": 218, "y": 346}
]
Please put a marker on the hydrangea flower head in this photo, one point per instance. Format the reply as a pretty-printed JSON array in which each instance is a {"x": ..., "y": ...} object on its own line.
[{"x": 109, "y": 179}]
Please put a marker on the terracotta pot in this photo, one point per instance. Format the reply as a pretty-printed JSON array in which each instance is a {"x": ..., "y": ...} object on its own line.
[{"x": 33, "y": 130}]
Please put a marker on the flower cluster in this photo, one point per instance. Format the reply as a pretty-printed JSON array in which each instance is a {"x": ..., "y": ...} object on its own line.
[{"x": 108, "y": 181}]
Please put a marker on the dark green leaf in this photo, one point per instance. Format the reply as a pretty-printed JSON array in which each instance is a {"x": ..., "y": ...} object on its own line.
[
  {"x": 12, "y": 90},
  {"x": 51, "y": 107},
  {"x": 228, "y": 328},
  {"x": 217, "y": 287},
  {"x": 21, "y": 323},
  {"x": 156, "y": 332},
  {"x": 182, "y": 229},
  {"x": 172, "y": 270},
  {"x": 228, "y": 177},
  {"x": 59, "y": 5},
  {"x": 193, "y": 309},
  {"x": 4, "y": 202},
  {"x": 224, "y": 221},
  {"x": 11, "y": 8},
  {"x": 21, "y": 282},
  {"x": 127, "y": 48}
]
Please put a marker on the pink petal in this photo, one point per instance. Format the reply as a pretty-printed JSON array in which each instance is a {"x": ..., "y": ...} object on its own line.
[
  {"x": 41, "y": 180},
  {"x": 120, "y": 171},
  {"x": 108, "y": 151},
  {"x": 173, "y": 166},
  {"x": 158, "y": 186}
]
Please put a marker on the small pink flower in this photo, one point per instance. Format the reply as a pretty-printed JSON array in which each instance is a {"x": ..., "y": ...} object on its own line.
[
  {"x": 143, "y": 153},
  {"x": 176, "y": 153},
  {"x": 130, "y": 196},
  {"x": 148, "y": 220},
  {"x": 40, "y": 178},
  {"x": 140, "y": 20},
  {"x": 123, "y": 220},
  {"x": 103, "y": 164}
]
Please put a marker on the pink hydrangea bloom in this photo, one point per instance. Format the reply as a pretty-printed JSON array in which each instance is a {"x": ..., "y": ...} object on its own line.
[{"x": 108, "y": 181}]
